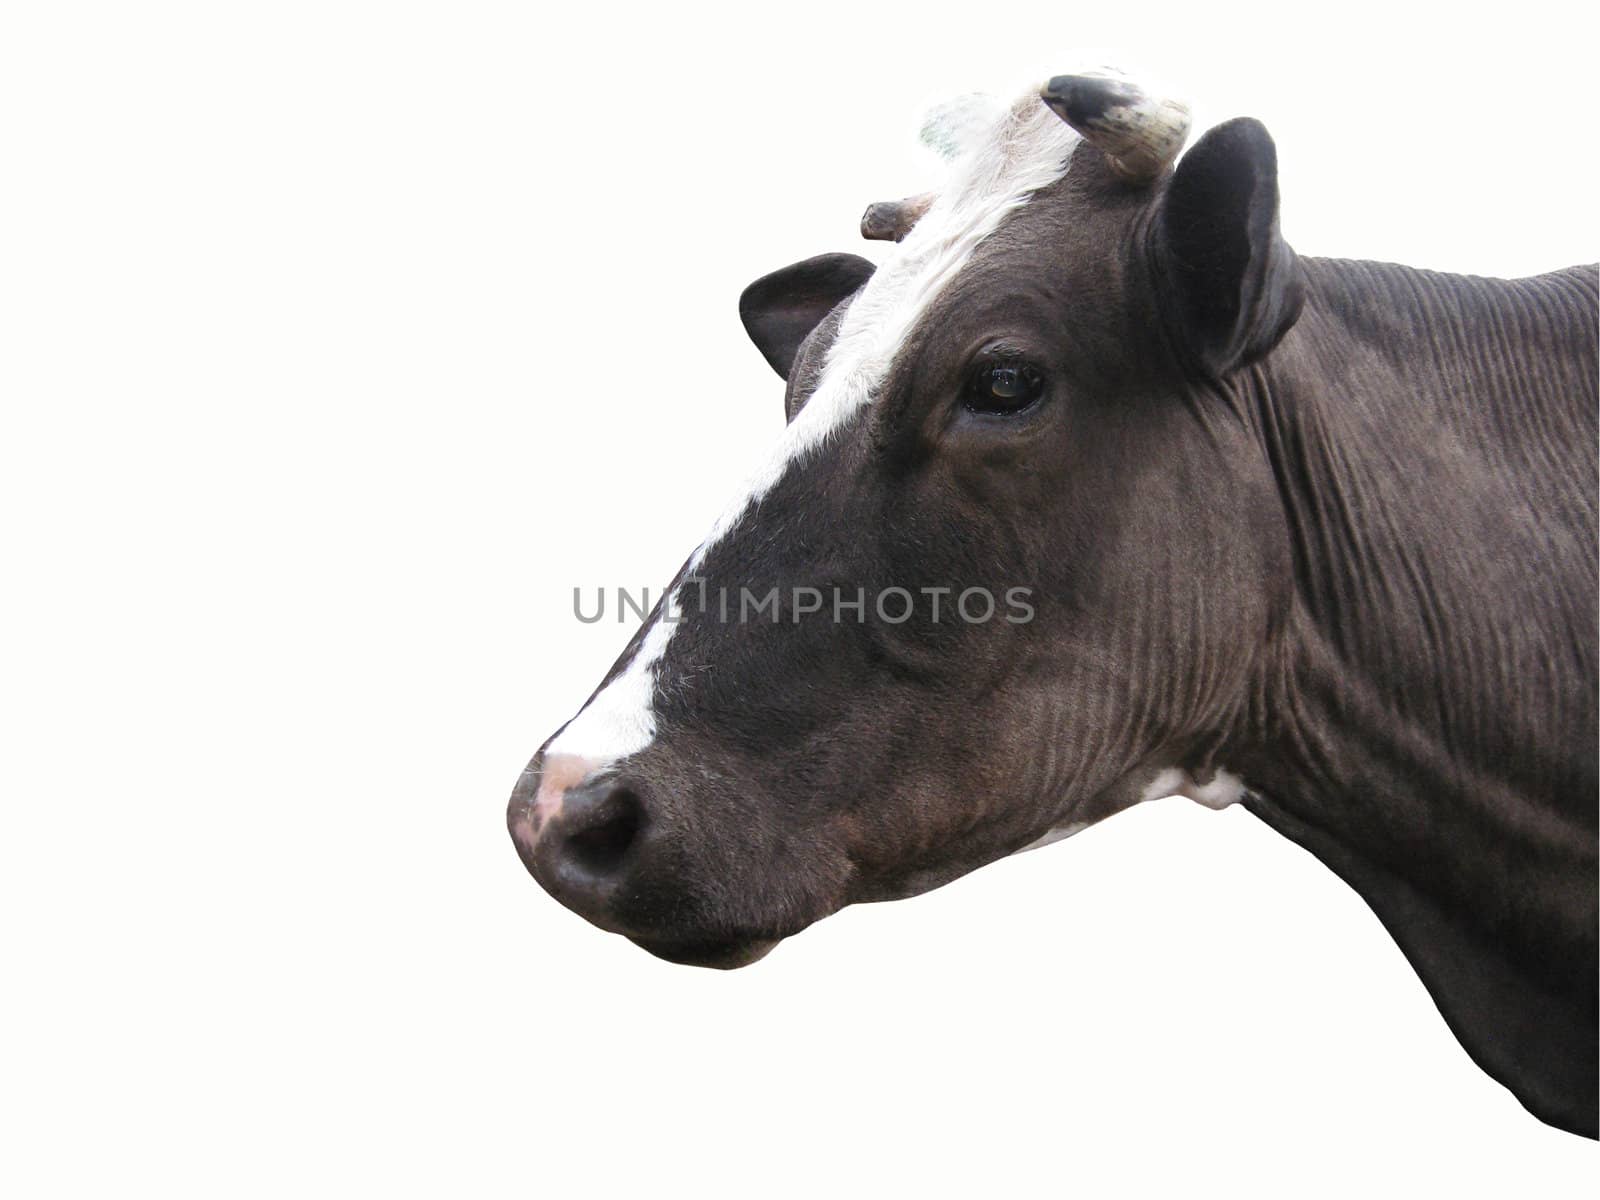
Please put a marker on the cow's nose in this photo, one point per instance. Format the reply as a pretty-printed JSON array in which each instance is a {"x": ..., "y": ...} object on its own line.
[
  {"x": 597, "y": 826},
  {"x": 577, "y": 831}
]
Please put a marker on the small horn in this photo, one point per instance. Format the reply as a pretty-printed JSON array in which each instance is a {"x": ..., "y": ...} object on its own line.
[
  {"x": 1139, "y": 134},
  {"x": 891, "y": 220}
]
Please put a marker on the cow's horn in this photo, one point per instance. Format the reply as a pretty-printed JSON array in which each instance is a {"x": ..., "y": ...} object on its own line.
[
  {"x": 1139, "y": 134},
  {"x": 891, "y": 220}
]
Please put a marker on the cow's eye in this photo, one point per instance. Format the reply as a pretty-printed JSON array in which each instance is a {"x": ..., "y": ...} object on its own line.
[{"x": 1003, "y": 388}]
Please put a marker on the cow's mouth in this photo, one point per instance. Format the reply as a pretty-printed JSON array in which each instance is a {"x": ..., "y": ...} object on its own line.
[{"x": 724, "y": 956}]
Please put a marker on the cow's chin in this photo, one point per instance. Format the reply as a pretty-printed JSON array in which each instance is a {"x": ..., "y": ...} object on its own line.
[{"x": 724, "y": 956}]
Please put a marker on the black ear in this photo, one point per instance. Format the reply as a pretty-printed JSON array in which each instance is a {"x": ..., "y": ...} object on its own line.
[
  {"x": 780, "y": 309},
  {"x": 1237, "y": 284}
]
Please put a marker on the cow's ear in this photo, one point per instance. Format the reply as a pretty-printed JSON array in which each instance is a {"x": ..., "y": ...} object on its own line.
[
  {"x": 1237, "y": 285},
  {"x": 780, "y": 309}
]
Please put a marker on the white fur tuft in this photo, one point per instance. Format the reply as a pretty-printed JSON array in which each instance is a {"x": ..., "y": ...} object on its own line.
[{"x": 958, "y": 126}]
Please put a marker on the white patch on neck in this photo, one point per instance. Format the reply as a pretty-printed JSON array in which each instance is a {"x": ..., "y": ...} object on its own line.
[
  {"x": 1058, "y": 834},
  {"x": 1224, "y": 789},
  {"x": 1026, "y": 148}
]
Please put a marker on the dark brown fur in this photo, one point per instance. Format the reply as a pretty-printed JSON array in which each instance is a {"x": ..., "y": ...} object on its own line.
[{"x": 1330, "y": 525}]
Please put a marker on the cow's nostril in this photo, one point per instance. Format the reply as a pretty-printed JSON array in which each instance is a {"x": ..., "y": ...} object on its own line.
[{"x": 606, "y": 832}]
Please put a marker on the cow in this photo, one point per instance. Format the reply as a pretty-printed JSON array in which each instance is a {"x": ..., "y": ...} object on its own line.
[{"x": 1208, "y": 518}]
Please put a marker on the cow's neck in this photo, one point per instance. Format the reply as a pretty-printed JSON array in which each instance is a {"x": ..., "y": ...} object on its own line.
[{"x": 1417, "y": 734}]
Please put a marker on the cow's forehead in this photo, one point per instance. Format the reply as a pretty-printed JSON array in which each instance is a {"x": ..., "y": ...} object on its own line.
[
  {"x": 1008, "y": 154},
  {"x": 1023, "y": 149}
]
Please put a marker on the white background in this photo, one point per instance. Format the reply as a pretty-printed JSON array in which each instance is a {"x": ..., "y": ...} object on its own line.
[{"x": 339, "y": 343}]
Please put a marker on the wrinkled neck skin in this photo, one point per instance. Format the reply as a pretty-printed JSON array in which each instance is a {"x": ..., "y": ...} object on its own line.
[{"x": 1425, "y": 722}]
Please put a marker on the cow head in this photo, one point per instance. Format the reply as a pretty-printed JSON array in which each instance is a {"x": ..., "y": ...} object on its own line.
[{"x": 1012, "y": 567}]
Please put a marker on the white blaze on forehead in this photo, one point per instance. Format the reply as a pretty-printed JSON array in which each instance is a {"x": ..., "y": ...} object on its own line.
[
  {"x": 1022, "y": 149},
  {"x": 619, "y": 720}
]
